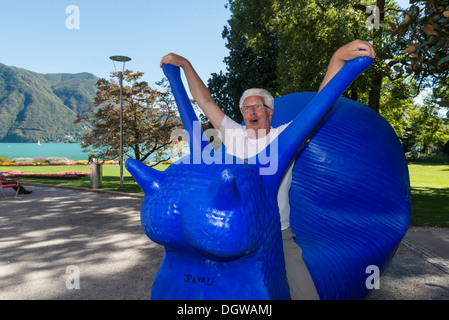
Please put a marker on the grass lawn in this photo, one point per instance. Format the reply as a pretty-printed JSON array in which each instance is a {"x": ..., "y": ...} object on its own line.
[
  {"x": 430, "y": 195},
  {"x": 429, "y": 182}
]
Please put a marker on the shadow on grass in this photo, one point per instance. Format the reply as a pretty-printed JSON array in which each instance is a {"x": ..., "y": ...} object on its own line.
[
  {"x": 431, "y": 164},
  {"x": 430, "y": 207}
]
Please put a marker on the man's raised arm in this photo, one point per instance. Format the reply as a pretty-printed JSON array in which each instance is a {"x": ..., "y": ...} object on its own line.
[{"x": 199, "y": 91}]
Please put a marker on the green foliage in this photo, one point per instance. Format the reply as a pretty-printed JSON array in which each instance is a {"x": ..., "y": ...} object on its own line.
[
  {"x": 50, "y": 160},
  {"x": 416, "y": 125},
  {"x": 439, "y": 158},
  {"x": 55, "y": 160},
  {"x": 308, "y": 34},
  {"x": 43, "y": 106},
  {"x": 285, "y": 46},
  {"x": 422, "y": 31},
  {"x": 23, "y": 160},
  {"x": 397, "y": 108},
  {"x": 445, "y": 148},
  {"x": 4, "y": 159},
  {"x": 425, "y": 28},
  {"x": 246, "y": 69}
]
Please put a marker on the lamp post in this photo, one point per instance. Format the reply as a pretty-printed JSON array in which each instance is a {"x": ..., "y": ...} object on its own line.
[{"x": 124, "y": 60}]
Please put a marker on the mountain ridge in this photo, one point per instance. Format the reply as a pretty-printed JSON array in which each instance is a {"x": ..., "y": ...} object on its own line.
[{"x": 36, "y": 106}]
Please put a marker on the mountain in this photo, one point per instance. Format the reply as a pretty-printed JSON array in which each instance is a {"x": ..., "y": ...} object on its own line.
[{"x": 43, "y": 107}]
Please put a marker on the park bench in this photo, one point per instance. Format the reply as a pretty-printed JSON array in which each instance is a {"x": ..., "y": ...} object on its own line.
[{"x": 9, "y": 183}]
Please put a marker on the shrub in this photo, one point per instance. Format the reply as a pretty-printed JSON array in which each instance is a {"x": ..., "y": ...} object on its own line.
[
  {"x": 438, "y": 158},
  {"x": 445, "y": 148},
  {"x": 110, "y": 162},
  {"x": 41, "y": 161},
  {"x": 411, "y": 156},
  {"x": 4, "y": 159},
  {"x": 55, "y": 160},
  {"x": 23, "y": 160}
]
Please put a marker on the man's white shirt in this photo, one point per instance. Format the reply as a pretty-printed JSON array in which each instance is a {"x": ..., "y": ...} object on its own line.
[{"x": 235, "y": 138}]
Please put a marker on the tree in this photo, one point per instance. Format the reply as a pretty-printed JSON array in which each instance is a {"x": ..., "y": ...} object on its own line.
[
  {"x": 286, "y": 45},
  {"x": 246, "y": 67},
  {"x": 440, "y": 95},
  {"x": 431, "y": 131},
  {"x": 425, "y": 28},
  {"x": 416, "y": 125},
  {"x": 297, "y": 39},
  {"x": 149, "y": 117},
  {"x": 397, "y": 105}
]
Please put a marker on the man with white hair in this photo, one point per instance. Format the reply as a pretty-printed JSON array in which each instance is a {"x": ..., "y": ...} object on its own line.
[{"x": 257, "y": 107}]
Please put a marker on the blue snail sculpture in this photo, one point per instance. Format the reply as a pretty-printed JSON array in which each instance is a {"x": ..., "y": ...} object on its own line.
[{"x": 217, "y": 215}]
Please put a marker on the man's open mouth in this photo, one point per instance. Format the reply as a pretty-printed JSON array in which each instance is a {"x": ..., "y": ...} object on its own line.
[{"x": 253, "y": 121}]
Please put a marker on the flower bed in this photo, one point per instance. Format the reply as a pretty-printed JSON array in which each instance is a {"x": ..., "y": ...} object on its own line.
[{"x": 69, "y": 175}]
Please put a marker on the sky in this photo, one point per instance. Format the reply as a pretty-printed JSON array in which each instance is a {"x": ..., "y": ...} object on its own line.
[{"x": 49, "y": 36}]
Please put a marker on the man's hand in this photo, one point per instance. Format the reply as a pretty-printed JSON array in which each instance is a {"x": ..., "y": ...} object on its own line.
[
  {"x": 199, "y": 91},
  {"x": 350, "y": 51},
  {"x": 354, "y": 49},
  {"x": 174, "y": 59}
]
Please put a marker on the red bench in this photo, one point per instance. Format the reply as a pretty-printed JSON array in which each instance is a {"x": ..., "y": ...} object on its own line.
[{"x": 10, "y": 183}]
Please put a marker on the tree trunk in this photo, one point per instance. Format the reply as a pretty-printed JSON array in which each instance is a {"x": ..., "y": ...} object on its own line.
[{"x": 374, "y": 94}]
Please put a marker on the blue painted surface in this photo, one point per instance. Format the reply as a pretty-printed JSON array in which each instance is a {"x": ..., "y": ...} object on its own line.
[{"x": 219, "y": 222}]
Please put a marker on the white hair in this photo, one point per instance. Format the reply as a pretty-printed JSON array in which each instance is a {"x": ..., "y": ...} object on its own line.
[{"x": 264, "y": 94}]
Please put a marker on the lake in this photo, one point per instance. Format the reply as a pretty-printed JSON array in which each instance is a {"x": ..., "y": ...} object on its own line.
[{"x": 72, "y": 151}]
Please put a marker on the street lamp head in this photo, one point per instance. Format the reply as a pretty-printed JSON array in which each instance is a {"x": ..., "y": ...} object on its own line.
[{"x": 120, "y": 58}]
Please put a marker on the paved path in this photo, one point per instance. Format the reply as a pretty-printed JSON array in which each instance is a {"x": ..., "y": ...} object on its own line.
[
  {"x": 49, "y": 235},
  {"x": 420, "y": 268},
  {"x": 43, "y": 233}
]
